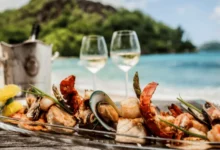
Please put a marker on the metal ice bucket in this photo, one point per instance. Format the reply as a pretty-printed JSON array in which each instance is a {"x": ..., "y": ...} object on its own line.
[{"x": 26, "y": 64}]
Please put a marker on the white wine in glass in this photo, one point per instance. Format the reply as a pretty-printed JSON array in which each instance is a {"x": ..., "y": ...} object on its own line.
[
  {"x": 125, "y": 60},
  {"x": 93, "y": 63},
  {"x": 125, "y": 51},
  {"x": 93, "y": 54}
]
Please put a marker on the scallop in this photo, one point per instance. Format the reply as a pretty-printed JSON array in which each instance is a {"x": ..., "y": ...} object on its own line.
[
  {"x": 46, "y": 103},
  {"x": 130, "y": 108}
]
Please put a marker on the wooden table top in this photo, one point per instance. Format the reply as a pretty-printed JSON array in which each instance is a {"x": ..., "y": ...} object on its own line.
[{"x": 12, "y": 140}]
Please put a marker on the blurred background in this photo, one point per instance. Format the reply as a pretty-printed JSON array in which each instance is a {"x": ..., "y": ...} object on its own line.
[{"x": 180, "y": 41}]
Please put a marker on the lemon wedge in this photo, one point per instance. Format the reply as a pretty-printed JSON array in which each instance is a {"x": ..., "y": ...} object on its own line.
[
  {"x": 11, "y": 108},
  {"x": 8, "y": 92}
]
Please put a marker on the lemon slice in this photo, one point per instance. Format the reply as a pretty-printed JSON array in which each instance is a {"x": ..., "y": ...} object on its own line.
[
  {"x": 7, "y": 92},
  {"x": 11, "y": 108}
]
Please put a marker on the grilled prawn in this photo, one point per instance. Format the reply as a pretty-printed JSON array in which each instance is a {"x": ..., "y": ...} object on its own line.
[
  {"x": 151, "y": 116},
  {"x": 70, "y": 93}
]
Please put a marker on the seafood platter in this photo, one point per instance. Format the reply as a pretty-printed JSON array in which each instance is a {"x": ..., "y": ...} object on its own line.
[{"x": 95, "y": 120}]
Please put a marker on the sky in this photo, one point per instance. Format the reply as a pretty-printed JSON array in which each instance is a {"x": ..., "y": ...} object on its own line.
[{"x": 199, "y": 18}]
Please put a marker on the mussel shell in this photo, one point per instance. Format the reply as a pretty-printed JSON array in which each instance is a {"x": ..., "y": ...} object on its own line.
[
  {"x": 33, "y": 112},
  {"x": 198, "y": 116},
  {"x": 30, "y": 98},
  {"x": 33, "y": 105},
  {"x": 100, "y": 97},
  {"x": 212, "y": 113},
  {"x": 60, "y": 98}
]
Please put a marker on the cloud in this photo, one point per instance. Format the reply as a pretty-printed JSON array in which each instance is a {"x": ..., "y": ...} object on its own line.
[
  {"x": 216, "y": 14},
  {"x": 10, "y": 4}
]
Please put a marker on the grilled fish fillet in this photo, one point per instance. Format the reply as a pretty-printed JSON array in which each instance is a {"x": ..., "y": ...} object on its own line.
[
  {"x": 58, "y": 117},
  {"x": 132, "y": 127}
]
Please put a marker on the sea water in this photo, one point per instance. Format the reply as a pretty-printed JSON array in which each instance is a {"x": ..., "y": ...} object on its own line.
[{"x": 192, "y": 76}]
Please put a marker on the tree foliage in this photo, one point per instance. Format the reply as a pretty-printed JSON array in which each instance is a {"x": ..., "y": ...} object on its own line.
[
  {"x": 212, "y": 45},
  {"x": 64, "y": 22}
]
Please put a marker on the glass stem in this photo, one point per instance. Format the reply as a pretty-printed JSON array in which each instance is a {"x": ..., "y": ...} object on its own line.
[
  {"x": 94, "y": 81},
  {"x": 126, "y": 83}
]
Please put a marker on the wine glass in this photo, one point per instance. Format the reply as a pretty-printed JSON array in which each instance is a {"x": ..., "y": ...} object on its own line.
[
  {"x": 125, "y": 51},
  {"x": 93, "y": 54}
]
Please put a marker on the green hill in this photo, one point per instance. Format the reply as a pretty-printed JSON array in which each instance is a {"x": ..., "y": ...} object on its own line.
[
  {"x": 211, "y": 46},
  {"x": 65, "y": 22}
]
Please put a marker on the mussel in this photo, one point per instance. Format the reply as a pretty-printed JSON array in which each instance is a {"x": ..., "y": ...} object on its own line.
[
  {"x": 33, "y": 112},
  {"x": 195, "y": 109},
  {"x": 99, "y": 98},
  {"x": 204, "y": 111},
  {"x": 197, "y": 115},
  {"x": 36, "y": 104},
  {"x": 60, "y": 98},
  {"x": 212, "y": 113},
  {"x": 33, "y": 105}
]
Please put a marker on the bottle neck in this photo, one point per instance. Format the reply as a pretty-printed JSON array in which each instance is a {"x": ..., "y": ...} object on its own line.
[
  {"x": 33, "y": 37},
  {"x": 35, "y": 31}
]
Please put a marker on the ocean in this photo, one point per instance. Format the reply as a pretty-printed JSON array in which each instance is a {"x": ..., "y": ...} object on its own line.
[{"x": 191, "y": 75}]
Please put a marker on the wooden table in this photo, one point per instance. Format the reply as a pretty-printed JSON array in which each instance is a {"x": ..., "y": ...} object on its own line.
[{"x": 12, "y": 140}]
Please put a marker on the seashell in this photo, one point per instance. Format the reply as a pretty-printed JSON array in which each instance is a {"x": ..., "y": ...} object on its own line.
[
  {"x": 212, "y": 113},
  {"x": 96, "y": 99}
]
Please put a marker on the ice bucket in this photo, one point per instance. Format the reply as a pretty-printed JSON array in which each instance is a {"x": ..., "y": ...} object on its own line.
[{"x": 25, "y": 64}]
